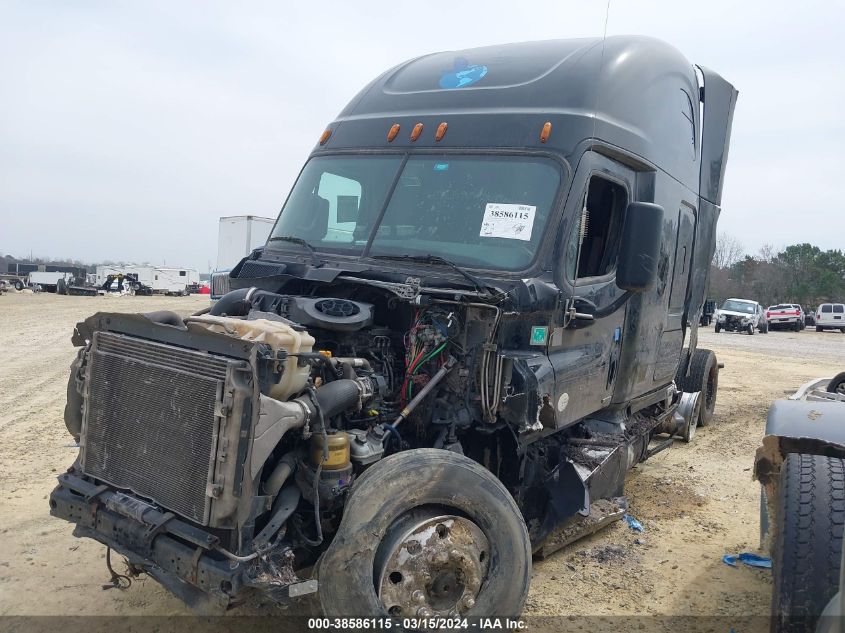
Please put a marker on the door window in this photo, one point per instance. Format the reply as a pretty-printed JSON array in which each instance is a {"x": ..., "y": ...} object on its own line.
[{"x": 593, "y": 245}]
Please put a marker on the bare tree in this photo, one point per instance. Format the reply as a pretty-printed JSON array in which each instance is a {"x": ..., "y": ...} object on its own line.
[
  {"x": 728, "y": 252},
  {"x": 767, "y": 253}
]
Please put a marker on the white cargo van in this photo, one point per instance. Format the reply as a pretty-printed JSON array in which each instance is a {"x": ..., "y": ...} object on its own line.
[{"x": 830, "y": 316}]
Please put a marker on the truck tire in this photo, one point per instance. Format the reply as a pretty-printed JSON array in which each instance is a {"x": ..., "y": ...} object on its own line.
[
  {"x": 837, "y": 384},
  {"x": 61, "y": 287},
  {"x": 819, "y": 328},
  {"x": 808, "y": 545},
  {"x": 381, "y": 518},
  {"x": 718, "y": 328},
  {"x": 704, "y": 377},
  {"x": 18, "y": 285},
  {"x": 750, "y": 329}
]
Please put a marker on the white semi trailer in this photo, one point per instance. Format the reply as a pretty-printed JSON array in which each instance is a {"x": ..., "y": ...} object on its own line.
[
  {"x": 48, "y": 281},
  {"x": 237, "y": 237}
]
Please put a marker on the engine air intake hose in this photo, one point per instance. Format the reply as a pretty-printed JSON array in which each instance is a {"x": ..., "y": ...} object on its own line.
[
  {"x": 336, "y": 397},
  {"x": 235, "y": 303}
]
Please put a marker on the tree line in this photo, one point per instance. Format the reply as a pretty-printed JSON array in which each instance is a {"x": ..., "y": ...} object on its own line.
[{"x": 801, "y": 273}]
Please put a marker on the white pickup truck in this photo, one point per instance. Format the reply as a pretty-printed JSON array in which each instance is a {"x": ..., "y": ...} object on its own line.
[{"x": 786, "y": 315}]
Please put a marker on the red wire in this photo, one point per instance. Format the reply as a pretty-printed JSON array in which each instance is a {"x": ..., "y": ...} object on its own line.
[{"x": 408, "y": 373}]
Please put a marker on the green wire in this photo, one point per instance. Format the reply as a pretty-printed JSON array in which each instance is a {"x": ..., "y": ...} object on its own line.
[{"x": 419, "y": 364}]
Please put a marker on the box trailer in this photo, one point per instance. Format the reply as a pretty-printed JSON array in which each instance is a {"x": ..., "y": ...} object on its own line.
[
  {"x": 48, "y": 281},
  {"x": 237, "y": 237}
]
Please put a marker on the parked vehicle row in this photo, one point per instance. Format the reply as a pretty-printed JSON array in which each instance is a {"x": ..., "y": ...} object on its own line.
[{"x": 745, "y": 315}]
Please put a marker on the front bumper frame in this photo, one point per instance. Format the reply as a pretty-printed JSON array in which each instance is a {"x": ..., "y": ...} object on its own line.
[{"x": 175, "y": 553}]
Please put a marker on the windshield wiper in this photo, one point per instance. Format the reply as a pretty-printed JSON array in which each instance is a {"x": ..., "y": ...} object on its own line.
[
  {"x": 298, "y": 240},
  {"x": 436, "y": 259}
]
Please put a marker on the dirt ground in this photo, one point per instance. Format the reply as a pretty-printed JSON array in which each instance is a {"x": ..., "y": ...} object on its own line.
[{"x": 697, "y": 502}]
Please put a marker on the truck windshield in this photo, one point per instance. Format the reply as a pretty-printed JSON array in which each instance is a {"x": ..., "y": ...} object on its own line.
[
  {"x": 480, "y": 211},
  {"x": 738, "y": 306}
]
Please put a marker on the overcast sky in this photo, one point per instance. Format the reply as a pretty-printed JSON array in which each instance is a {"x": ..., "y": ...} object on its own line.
[{"x": 128, "y": 128}]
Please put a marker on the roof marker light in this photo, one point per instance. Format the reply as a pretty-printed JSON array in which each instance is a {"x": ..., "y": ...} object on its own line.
[
  {"x": 392, "y": 132},
  {"x": 325, "y": 136},
  {"x": 546, "y": 131},
  {"x": 415, "y": 133},
  {"x": 441, "y": 131}
]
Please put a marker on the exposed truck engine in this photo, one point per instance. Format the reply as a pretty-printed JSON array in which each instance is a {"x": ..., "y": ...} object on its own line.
[{"x": 451, "y": 347}]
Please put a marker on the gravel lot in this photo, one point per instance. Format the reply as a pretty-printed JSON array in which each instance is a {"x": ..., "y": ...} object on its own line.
[{"x": 696, "y": 501}]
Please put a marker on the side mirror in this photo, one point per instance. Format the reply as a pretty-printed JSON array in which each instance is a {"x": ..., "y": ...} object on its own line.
[{"x": 639, "y": 250}]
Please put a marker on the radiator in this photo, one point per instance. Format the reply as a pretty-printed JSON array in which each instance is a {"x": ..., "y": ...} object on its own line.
[{"x": 149, "y": 422}]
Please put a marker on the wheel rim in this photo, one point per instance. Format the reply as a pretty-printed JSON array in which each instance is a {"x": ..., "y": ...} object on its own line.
[
  {"x": 840, "y": 388},
  {"x": 431, "y": 564}
]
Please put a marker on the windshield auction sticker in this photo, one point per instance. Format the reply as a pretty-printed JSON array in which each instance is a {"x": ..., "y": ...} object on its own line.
[{"x": 510, "y": 221}]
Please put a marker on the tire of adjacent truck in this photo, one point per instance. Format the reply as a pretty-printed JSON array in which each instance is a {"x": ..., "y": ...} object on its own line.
[
  {"x": 808, "y": 545},
  {"x": 394, "y": 487},
  {"x": 704, "y": 377},
  {"x": 718, "y": 328},
  {"x": 837, "y": 384}
]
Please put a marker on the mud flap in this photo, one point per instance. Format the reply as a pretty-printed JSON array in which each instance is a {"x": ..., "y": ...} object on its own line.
[{"x": 567, "y": 495}]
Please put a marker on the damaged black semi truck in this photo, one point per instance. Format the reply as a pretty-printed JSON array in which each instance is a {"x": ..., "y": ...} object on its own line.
[{"x": 477, "y": 310}]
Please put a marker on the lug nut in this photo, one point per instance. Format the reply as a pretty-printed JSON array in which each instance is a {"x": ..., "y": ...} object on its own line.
[
  {"x": 424, "y": 612},
  {"x": 418, "y": 596},
  {"x": 469, "y": 602},
  {"x": 455, "y": 554}
]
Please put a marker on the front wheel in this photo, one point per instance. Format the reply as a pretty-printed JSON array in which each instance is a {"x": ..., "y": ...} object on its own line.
[
  {"x": 718, "y": 328},
  {"x": 750, "y": 329},
  {"x": 427, "y": 533}
]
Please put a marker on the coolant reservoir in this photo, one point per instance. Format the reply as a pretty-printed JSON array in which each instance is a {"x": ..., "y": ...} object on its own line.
[{"x": 277, "y": 335}]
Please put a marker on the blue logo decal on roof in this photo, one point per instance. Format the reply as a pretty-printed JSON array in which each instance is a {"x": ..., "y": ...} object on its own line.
[{"x": 463, "y": 74}]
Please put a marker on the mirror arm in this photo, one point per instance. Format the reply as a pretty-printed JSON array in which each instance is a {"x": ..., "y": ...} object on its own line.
[{"x": 580, "y": 316}]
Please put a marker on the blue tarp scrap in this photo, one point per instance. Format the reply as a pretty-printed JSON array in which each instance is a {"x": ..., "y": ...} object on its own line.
[
  {"x": 752, "y": 560},
  {"x": 633, "y": 523}
]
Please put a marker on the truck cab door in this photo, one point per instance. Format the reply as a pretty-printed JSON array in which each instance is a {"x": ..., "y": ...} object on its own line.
[{"x": 584, "y": 353}]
